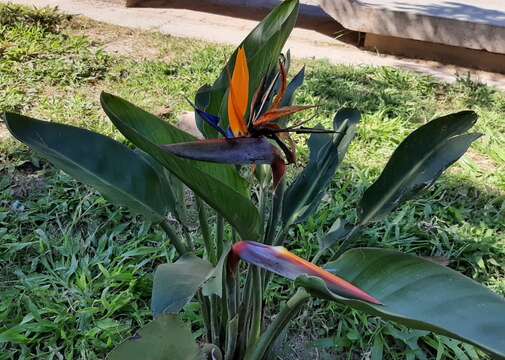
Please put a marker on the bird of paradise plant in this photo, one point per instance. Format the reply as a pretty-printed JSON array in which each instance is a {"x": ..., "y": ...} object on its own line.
[
  {"x": 241, "y": 129},
  {"x": 245, "y": 141}
]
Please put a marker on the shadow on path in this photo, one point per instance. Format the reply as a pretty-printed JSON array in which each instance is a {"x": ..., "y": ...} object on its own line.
[{"x": 322, "y": 24}]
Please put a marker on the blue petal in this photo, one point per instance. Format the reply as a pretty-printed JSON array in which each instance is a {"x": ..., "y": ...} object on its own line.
[
  {"x": 212, "y": 120},
  {"x": 229, "y": 134}
]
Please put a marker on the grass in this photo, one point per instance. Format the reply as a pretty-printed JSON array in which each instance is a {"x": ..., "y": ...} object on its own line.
[{"x": 75, "y": 271}]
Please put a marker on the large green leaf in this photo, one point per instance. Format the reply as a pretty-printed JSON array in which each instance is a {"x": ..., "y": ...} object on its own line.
[
  {"x": 417, "y": 162},
  {"x": 420, "y": 294},
  {"x": 214, "y": 284},
  {"x": 263, "y": 47},
  {"x": 166, "y": 338},
  {"x": 326, "y": 153},
  {"x": 175, "y": 284},
  {"x": 117, "y": 172},
  {"x": 219, "y": 185},
  {"x": 173, "y": 188}
]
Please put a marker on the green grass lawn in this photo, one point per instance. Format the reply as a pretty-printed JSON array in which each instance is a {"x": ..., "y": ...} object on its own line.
[{"x": 75, "y": 270}]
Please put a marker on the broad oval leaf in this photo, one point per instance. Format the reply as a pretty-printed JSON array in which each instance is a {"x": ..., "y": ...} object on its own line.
[
  {"x": 417, "y": 162},
  {"x": 117, "y": 172},
  {"x": 420, "y": 294},
  {"x": 263, "y": 47},
  {"x": 218, "y": 185},
  {"x": 175, "y": 284},
  {"x": 214, "y": 284},
  {"x": 326, "y": 153},
  {"x": 166, "y": 338},
  {"x": 237, "y": 151},
  {"x": 173, "y": 188}
]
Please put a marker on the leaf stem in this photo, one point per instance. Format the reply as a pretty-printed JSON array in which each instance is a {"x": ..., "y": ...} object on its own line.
[
  {"x": 288, "y": 311},
  {"x": 214, "y": 320},
  {"x": 219, "y": 236},
  {"x": 204, "y": 228},
  {"x": 275, "y": 212},
  {"x": 205, "y": 306},
  {"x": 232, "y": 287},
  {"x": 344, "y": 245},
  {"x": 174, "y": 238},
  {"x": 212, "y": 351},
  {"x": 257, "y": 310}
]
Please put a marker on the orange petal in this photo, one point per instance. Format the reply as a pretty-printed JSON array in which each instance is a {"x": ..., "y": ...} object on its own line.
[
  {"x": 282, "y": 262},
  {"x": 276, "y": 114},
  {"x": 238, "y": 96},
  {"x": 282, "y": 90}
]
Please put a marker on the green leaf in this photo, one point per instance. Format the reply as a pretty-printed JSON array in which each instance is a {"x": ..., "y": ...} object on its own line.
[
  {"x": 420, "y": 294},
  {"x": 166, "y": 338},
  {"x": 214, "y": 285},
  {"x": 263, "y": 47},
  {"x": 173, "y": 188},
  {"x": 175, "y": 284},
  {"x": 117, "y": 172},
  {"x": 13, "y": 335},
  {"x": 293, "y": 85},
  {"x": 339, "y": 230},
  {"x": 326, "y": 153},
  {"x": 218, "y": 185},
  {"x": 417, "y": 162}
]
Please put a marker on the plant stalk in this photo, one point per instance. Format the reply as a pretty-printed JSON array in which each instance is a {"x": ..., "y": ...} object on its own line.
[
  {"x": 262, "y": 203},
  {"x": 275, "y": 212},
  {"x": 219, "y": 236},
  {"x": 232, "y": 287},
  {"x": 204, "y": 228},
  {"x": 344, "y": 245},
  {"x": 288, "y": 311},
  {"x": 204, "y": 303},
  {"x": 215, "y": 312},
  {"x": 257, "y": 308},
  {"x": 174, "y": 238}
]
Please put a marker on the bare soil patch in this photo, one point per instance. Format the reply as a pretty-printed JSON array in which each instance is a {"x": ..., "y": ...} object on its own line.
[{"x": 118, "y": 40}]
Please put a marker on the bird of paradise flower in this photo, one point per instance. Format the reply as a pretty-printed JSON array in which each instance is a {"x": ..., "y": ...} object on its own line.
[{"x": 246, "y": 141}]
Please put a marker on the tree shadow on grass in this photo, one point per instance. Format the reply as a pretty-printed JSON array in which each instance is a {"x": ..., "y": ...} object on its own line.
[{"x": 394, "y": 92}]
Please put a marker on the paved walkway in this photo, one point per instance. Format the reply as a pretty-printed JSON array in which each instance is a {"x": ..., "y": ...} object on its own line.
[
  {"x": 474, "y": 24},
  {"x": 213, "y": 23}
]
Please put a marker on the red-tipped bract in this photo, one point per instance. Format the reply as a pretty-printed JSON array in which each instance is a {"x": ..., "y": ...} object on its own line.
[{"x": 280, "y": 261}]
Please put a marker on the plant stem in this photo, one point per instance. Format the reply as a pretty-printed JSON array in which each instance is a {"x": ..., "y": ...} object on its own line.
[
  {"x": 257, "y": 308},
  {"x": 174, "y": 238},
  {"x": 204, "y": 303},
  {"x": 204, "y": 228},
  {"x": 244, "y": 315},
  {"x": 219, "y": 236},
  {"x": 275, "y": 212},
  {"x": 262, "y": 204},
  {"x": 288, "y": 311},
  {"x": 214, "y": 320},
  {"x": 315, "y": 259},
  {"x": 232, "y": 287},
  {"x": 212, "y": 350},
  {"x": 352, "y": 234},
  {"x": 344, "y": 245}
]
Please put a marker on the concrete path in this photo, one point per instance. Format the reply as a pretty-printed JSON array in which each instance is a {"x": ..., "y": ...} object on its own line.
[
  {"x": 473, "y": 24},
  {"x": 213, "y": 23}
]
